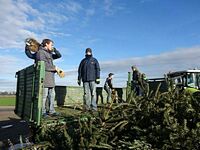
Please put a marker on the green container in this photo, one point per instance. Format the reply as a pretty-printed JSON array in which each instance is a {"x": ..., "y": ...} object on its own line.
[{"x": 29, "y": 92}]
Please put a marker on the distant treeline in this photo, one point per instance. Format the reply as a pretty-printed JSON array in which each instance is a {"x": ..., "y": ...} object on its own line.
[{"x": 8, "y": 93}]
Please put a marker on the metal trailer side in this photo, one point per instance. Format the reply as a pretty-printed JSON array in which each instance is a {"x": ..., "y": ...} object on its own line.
[{"x": 29, "y": 92}]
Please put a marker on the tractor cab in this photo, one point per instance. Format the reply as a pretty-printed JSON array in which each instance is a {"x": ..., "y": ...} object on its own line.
[{"x": 188, "y": 80}]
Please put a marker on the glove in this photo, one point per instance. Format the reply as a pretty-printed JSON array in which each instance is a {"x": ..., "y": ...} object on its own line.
[
  {"x": 53, "y": 49},
  {"x": 97, "y": 81},
  {"x": 79, "y": 82},
  {"x": 60, "y": 72}
]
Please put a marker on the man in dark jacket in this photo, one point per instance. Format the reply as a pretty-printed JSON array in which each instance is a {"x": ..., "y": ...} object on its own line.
[
  {"x": 108, "y": 86},
  {"x": 46, "y": 53},
  {"x": 135, "y": 81},
  {"x": 89, "y": 73}
]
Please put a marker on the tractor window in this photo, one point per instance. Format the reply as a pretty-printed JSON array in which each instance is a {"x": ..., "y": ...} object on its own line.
[
  {"x": 184, "y": 79},
  {"x": 198, "y": 80},
  {"x": 191, "y": 80},
  {"x": 178, "y": 80}
]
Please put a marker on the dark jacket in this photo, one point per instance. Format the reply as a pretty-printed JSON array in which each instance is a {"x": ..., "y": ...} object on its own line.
[
  {"x": 29, "y": 54},
  {"x": 135, "y": 76},
  {"x": 89, "y": 69},
  {"x": 47, "y": 57},
  {"x": 33, "y": 55},
  {"x": 108, "y": 83}
]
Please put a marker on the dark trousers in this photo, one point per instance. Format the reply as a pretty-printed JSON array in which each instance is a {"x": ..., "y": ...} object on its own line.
[{"x": 136, "y": 88}]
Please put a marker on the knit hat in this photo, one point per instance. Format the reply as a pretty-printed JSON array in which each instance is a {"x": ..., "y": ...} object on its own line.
[
  {"x": 110, "y": 74},
  {"x": 88, "y": 50}
]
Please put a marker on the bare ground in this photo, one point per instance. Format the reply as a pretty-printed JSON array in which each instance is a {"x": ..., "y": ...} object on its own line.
[{"x": 11, "y": 127}]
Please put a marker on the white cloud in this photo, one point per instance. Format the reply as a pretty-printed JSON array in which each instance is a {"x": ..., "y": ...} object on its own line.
[
  {"x": 10, "y": 64},
  {"x": 20, "y": 20},
  {"x": 73, "y": 6},
  {"x": 152, "y": 66},
  {"x": 107, "y": 6},
  {"x": 157, "y": 65},
  {"x": 14, "y": 21},
  {"x": 7, "y": 85},
  {"x": 144, "y": 1},
  {"x": 111, "y": 8}
]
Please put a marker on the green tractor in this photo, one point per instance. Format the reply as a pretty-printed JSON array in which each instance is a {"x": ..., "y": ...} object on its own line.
[{"x": 187, "y": 80}]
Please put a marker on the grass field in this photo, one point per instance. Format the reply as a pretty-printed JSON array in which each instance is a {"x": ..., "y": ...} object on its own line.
[{"x": 7, "y": 100}]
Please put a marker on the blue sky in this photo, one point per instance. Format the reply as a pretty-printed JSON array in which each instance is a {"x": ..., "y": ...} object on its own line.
[{"x": 156, "y": 35}]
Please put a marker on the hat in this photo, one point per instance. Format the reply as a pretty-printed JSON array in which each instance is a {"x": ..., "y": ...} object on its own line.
[
  {"x": 110, "y": 74},
  {"x": 88, "y": 50},
  {"x": 134, "y": 67}
]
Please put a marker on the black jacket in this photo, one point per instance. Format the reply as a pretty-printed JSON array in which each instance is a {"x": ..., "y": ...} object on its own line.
[
  {"x": 29, "y": 54},
  {"x": 89, "y": 69},
  {"x": 108, "y": 83},
  {"x": 135, "y": 76}
]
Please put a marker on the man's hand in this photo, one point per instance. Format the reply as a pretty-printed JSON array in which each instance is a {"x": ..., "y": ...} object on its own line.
[
  {"x": 54, "y": 49},
  {"x": 97, "y": 81},
  {"x": 79, "y": 82},
  {"x": 60, "y": 72}
]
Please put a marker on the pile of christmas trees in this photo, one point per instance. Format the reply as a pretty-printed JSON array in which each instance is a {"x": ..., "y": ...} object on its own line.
[{"x": 168, "y": 120}]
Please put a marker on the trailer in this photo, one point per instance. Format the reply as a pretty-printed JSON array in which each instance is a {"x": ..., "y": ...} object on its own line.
[{"x": 29, "y": 93}]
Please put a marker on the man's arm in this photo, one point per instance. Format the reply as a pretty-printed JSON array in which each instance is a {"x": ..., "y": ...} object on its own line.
[
  {"x": 56, "y": 54},
  {"x": 110, "y": 83},
  {"x": 80, "y": 72},
  {"x": 29, "y": 54},
  {"x": 97, "y": 67}
]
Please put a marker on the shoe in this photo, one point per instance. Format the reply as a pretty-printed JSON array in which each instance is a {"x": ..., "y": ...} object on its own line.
[
  {"x": 45, "y": 115},
  {"x": 54, "y": 114}
]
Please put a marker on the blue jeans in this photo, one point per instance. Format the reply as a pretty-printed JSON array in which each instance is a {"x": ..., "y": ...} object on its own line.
[
  {"x": 48, "y": 95},
  {"x": 109, "y": 92},
  {"x": 89, "y": 99}
]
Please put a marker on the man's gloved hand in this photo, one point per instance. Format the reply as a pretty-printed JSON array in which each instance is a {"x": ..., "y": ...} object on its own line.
[
  {"x": 97, "y": 81},
  {"x": 79, "y": 82},
  {"x": 54, "y": 49},
  {"x": 60, "y": 72}
]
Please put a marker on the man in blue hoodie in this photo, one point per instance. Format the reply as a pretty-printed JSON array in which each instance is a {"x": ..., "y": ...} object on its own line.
[{"x": 89, "y": 74}]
